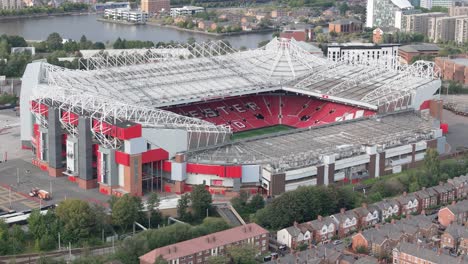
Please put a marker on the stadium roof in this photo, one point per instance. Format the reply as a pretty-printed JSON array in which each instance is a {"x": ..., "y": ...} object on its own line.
[
  {"x": 214, "y": 70},
  {"x": 306, "y": 147}
]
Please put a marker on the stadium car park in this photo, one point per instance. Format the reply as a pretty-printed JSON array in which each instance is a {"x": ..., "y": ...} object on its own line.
[{"x": 163, "y": 119}]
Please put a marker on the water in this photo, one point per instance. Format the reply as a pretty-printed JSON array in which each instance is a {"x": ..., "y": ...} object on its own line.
[{"x": 73, "y": 27}]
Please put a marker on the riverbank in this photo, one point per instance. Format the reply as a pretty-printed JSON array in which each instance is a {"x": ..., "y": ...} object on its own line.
[
  {"x": 261, "y": 31},
  {"x": 121, "y": 22},
  {"x": 45, "y": 15}
]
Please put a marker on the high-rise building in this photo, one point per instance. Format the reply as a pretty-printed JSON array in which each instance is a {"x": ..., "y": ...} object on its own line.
[
  {"x": 461, "y": 30},
  {"x": 442, "y": 3},
  {"x": 442, "y": 28},
  {"x": 426, "y": 4},
  {"x": 418, "y": 23},
  {"x": 11, "y": 4},
  {"x": 155, "y": 6},
  {"x": 386, "y": 13},
  {"x": 458, "y": 10}
]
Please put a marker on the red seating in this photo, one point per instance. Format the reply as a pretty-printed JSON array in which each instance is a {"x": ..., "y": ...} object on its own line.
[{"x": 257, "y": 111}]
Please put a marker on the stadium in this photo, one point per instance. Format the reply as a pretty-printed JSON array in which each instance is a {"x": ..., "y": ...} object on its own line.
[{"x": 265, "y": 120}]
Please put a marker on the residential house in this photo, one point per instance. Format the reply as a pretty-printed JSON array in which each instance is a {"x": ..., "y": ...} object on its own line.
[
  {"x": 388, "y": 209},
  {"x": 230, "y": 17},
  {"x": 375, "y": 240},
  {"x": 407, "y": 253},
  {"x": 279, "y": 13},
  {"x": 367, "y": 260},
  {"x": 262, "y": 15},
  {"x": 205, "y": 24},
  {"x": 454, "y": 213},
  {"x": 455, "y": 237},
  {"x": 428, "y": 198},
  {"x": 331, "y": 12},
  {"x": 221, "y": 25},
  {"x": 426, "y": 228},
  {"x": 318, "y": 255},
  {"x": 446, "y": 192},
  {"x": 249, "y": 26},
  {"x": 378, "y": 34},
  {"x": 325, "y": 228},
  {"x": 368, "y": 215},
  {"x": 408, "y": 203},
  {"x": 295, "y": 235},
  {"x": 461, "y": 186},
  {"x": 346, "y": 221},
  {"x": 400, "y": 231}
]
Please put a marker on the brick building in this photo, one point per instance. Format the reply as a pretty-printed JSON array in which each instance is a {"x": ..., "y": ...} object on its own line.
[
  {"x": 198, "y": 250},
  {"x": 408, "y": 52},
  {"x": 454, "y": 68},
  {"x": 155, "y": 6},
  {"x": 454, "y": 213},
  {"x": 455, "y": 237},
  {"x": 347, "y": 25},
  {"x": 406, "y": 253}
]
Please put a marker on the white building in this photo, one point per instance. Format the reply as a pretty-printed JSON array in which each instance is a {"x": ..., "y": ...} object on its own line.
[
  {"x": 441, "y": 3},
  {"x": 186, "y": 11},
  {"x": 11, "y": 4},
  {"x": 350, "y": 52},
  {"x": 461, "y": 30},
  {"x": 126, "y": 14},
  {"x": 382, "y": 13}
]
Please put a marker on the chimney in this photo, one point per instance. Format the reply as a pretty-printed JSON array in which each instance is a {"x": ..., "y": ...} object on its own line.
[
  {"x": 454, "y": 202},
  {"x": 441, "y": 183},
  {"x": 320, "y": 218},
  {"x": 214, "y": 239},
  {"x": 393, "y": 221},
  {"x": 423, "y": 188},
  {"x": 175, "y": 249},
  {"x": 250, "y": 228},
  {"x": 295, "y": 223},
  {"x": 342, "y": 210},
  {"x": 169, "y": 250},
  {"x": 364, "y": 205},
  {"x": 439, "y": 252},
  {"x": 208, "y": 239},
  {"x": 423, "y": 212},
  {"x": 377, "y": 226},
  {"x": 405, "y": 193}
]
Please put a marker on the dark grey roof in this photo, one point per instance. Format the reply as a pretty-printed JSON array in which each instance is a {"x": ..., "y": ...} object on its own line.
[
  {"x": 317, "y": 224},
  {"x": 346, "y": 21},
  {"x": 427, "y": 254},
  {"x": 341, "y": 217},
  {"x": 457, "y": 231},
  {"x": 367, "y": 260},
  {"x": 459, "y": 207},
  {"x": 420, "y": 47},
  {"x": 404, "y": 199}
]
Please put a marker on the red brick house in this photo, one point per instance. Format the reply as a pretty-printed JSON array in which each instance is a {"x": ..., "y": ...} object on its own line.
[
  {"x": 446, "y": 193},
  {"x": 346, "y": 221},
  {"x": 409, "y": 203},
  {"x": 455, "y": 237},
  {"x": 428, "y": 198},
  {"x": 324, "y": 229},
  {"x": 199, "y": 250},
  {"x": 368, "y": 215},
  {"x": 461, "y": 186},
  {"x": 454, "y": 213},
  {"x": 347, "y": 25}
]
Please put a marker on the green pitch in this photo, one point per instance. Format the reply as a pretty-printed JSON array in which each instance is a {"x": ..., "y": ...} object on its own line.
[{"x": 260, "y": 131}]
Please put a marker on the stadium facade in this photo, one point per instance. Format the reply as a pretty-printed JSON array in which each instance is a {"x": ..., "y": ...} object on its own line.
[{"x": 162, "y": 119}]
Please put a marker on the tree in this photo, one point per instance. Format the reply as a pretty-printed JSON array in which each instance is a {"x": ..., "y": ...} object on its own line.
[
  {"x": 318, "y": 29},
  {"x": 242, "y": 254},
  {"x": 182, "y": 207},
  {"x": 201, "y": 201},
  {"x": 256, "y": 203},
  {"x": 218, "y": 260},
  {"x": 153, "y": 213},
  {"x": 343, "y": 8},
  {"x": 126, "y": 211},
  {"x": 432, "y": 162},
  {"x": 54, "y": 42},
  {"x": 161, "y": 260},
  {"x": 77, "y": 218}
]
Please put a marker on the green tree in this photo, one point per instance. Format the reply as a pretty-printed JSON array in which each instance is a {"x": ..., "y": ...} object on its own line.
[
  {"x": 182, "y": 207},
  {"x": 343, "y": 8},
  {"x": 218, "y": 260},
  {"x": 242, "y": 254},
  {"x": 432, "y": 162},
  {"x": 153, "y": 212},
  {"x": 256, "y": 203},
  {"x": 54, "y": 42},
  {"x": 77, "y": 218},
  {"x": 161, "y": 260},
  {"x": 126, "y": 211},
  {"x": 201, "y": 201}
]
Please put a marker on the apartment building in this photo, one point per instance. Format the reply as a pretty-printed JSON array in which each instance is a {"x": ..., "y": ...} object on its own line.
[
  {"x": 186, "y": 11},
  {"x": 461, "y": 30},
  {"x": 348, "y": 25},
  {"x": 125, "y": 14},
  {"x": 199, "y": 250},
  {"x": 155, "y": 6},
  {"x": 442, "y": 28},
  {"x": 458, "y": 10},
  {"x": 418, "y": 23},
  {"x": 11, "y": 4},
  {"x": 384, "y": 13}
]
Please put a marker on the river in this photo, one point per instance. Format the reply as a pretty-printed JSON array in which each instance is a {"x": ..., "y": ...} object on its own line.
[{"x": 73, "y": 27}]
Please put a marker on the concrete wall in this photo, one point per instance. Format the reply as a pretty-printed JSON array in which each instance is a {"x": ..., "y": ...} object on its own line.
[{"x": 171, "y": 140}]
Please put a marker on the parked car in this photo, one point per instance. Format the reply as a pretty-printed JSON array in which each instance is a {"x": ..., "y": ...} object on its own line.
[
  {"x": 282, "y": 247},
  {"x": 337, "y": 242}
]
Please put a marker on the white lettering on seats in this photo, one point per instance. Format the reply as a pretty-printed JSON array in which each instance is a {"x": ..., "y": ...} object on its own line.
[
  {"x": 252, "y": 106},
  {"x": 238, "y": 108},
  {"x": 209, "y": 112},
  {"x": 222, "y": 108},
  {"x": 238, "y": 124},
  {"x": 194, "y": 114}
]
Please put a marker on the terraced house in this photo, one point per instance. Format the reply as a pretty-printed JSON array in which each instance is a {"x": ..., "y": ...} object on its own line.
[{"x": 346, "y": 221}]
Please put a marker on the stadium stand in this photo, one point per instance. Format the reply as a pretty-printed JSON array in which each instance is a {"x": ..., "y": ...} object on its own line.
[{"x": 258, "y": 111}]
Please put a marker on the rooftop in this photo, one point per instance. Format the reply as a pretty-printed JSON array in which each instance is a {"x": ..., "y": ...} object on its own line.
[
  {"x": 306, "y": 147},
  {"x": 346, "y": 21},
  {"x": 192, "y": 246},
  {"x": 420, "y": 47},
  {"x": 461, "y": 61},
  {"x": 427, "y": 254}
]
